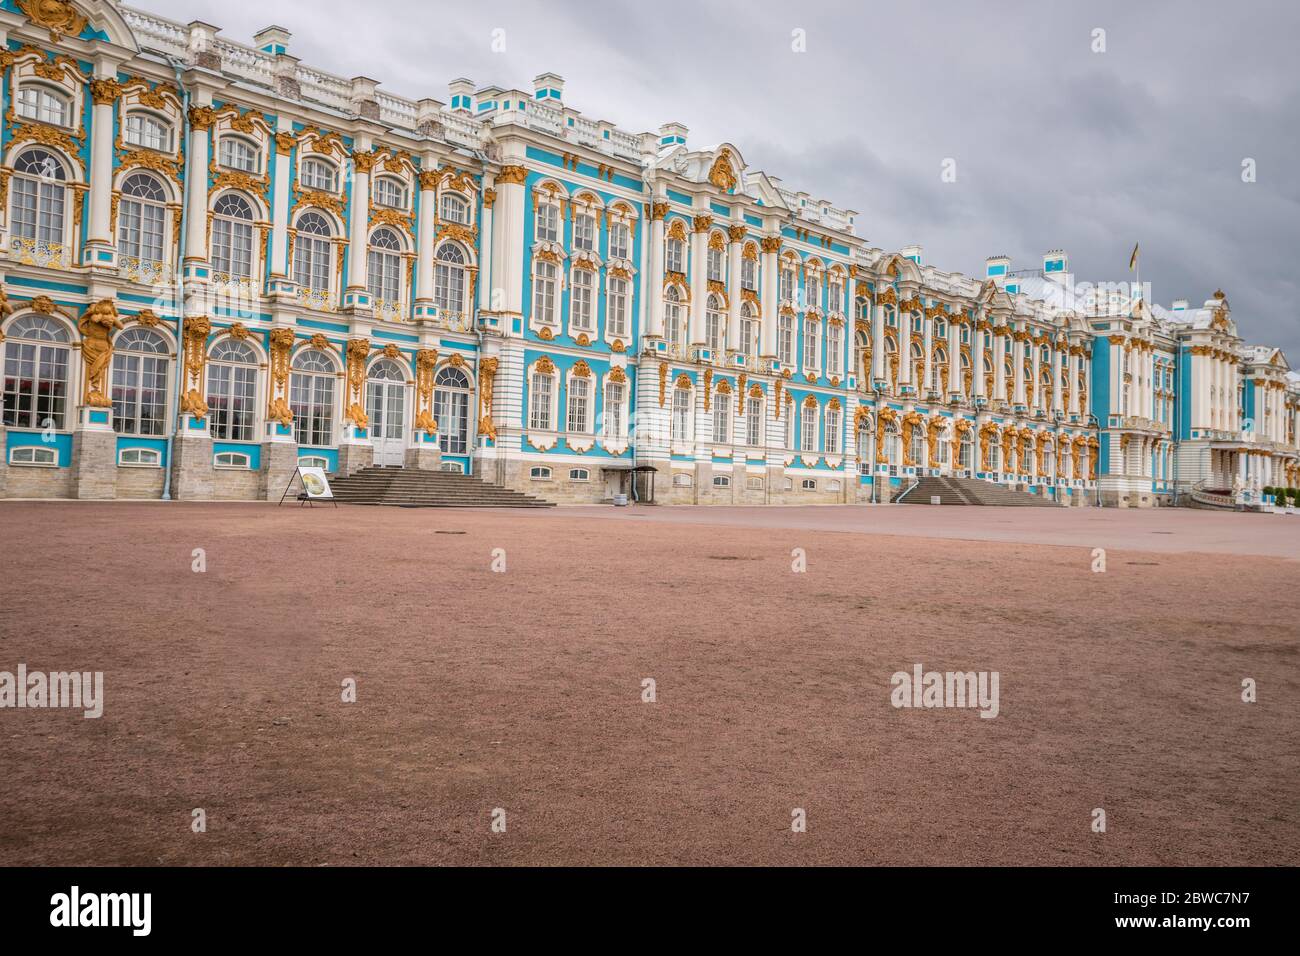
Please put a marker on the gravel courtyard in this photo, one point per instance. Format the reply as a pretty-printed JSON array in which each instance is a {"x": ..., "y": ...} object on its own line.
[{"x": 522, "y": 689}]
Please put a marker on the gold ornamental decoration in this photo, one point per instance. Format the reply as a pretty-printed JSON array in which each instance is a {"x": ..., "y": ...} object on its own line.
[
  {"x": 278, "y": 408},
  {"x": 97, "y": 324},
  {"x": 513, "y": 175},
  {"x": 58, "y": 16},
  {"x": 425, "y": 361},
  {"x": 197, "y": 328},
  {"x": 358, "y": 351},
  {"x": 487, "y": 370},
  {"x": 721, "y": 174},
  {"x": 884, "y": 418},
  {"x": 663, "y": 383}
]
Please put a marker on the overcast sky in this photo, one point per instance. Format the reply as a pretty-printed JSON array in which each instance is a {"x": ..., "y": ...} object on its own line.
[{"x": 1055, "y": 145}]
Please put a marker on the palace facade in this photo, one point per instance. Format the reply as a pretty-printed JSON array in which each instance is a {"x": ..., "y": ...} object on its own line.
[{"x": 218, "y": 262}]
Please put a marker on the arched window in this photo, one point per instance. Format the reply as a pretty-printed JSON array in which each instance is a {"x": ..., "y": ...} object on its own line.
[
  {"x": 319, "y": 175},
  {"x": 39, "y": 102},
  {"x": 748, "y": 331},
  {"x": 454, "y": 208},
  {"x": 673, "y": 321},
  {"x": 618, "y": 307},
  {"x": 582, "y": 300},
  {"x": 544, "y": 291},
  {"x": 232, "y": 391},
  {"x": 449, "y": 278},
  {"x": 390, "y": 192},
  {"x": 384, "y": 267},
  {"x": 149, "y": 131},
  {"x": 451, "y": 399},
  {"x": 311, "y": 252},
  {"x": 240, "y": 154},
  {"x": 232, "y": 237},
  {"x": 967, "y": 452},
  {"x": 893, "y": 446},
  {"x": 311, "y": 397},
  {"x": 140, "y": 382},
  {"x": 36, "y": 373},
  {"x": 142, "y": 218},
  {"x": 713, "y": 323},
  {"x": 39, "y": 197}
]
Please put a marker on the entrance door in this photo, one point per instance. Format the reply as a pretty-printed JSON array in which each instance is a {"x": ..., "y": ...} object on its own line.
[{"x": 386, "y": 406}]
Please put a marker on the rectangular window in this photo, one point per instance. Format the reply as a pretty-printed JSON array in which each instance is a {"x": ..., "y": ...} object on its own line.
[
  {"x": 832, "y": 431},
  {"x": 616, "y": 319},
  {"x": 787, "y": 285},
  {"x": 613, "y": 421},
  {"x": 539, "y": 406},
  {"x": 681, "y": 427},
  {"x": 722, "y": 419},
  {"x": 584, "y": 232},
  {"x": 548, "y": 223},
  {"x": 810, "y": 336},
  {"x": 834, "y": 349},
  {"x": 544, "y": 293},
  {"x": 620, "y": 241},
  {"x": 747, "y": 275},
  {"x": 754, "y": 422},
  {"x": 675, "y": 260},
  {"x": 785, "y": 340},
  {"x": 579, "y": 404},
  {"x": 808, "y": 419},
  {"x": 582, "y": 308}
]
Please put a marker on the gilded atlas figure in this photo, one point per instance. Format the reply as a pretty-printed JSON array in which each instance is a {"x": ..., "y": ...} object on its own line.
[{"x": 96, "y": 325}]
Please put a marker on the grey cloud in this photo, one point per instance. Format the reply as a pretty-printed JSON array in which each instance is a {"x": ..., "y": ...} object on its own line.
[{"x": 1056, "y": 145}]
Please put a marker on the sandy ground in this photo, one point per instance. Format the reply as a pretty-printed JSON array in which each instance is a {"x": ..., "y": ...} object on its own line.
[{"x": 522, "y": 690}]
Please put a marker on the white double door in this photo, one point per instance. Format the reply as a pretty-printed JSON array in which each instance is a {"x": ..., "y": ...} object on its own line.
[{"x": 387, "y": 405}]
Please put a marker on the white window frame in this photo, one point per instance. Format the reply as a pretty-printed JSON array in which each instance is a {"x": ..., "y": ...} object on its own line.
[
  {"x": 27, "y": 456},
  {"x": 139, "y": 458}
]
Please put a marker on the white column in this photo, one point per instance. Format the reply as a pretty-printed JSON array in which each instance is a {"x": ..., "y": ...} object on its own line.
[
  {"x": 508, "y": 243},
  {"x": 654, "y": 287},
  {"x": 977, "y": 363},
  {"x": 1036, "y": 366},
  {"x": 736, "y": 235},
  {"x": 1072, "y": 364},
  {"x": 1018, "y": 368},
  {"x": 699, "y": 267},
  {"x": 999, "y": 370},
  {"x": 878, "y": 345},
  {"x": 954, "y": 366},
  {"x": 425, "y": 239},
  {"x": 771, "y": 293},
  {"x": 904, "y": 350},
  {"x": 284, "y": 144},
  {"x": 1058, "y": 396},
  {"x": 927, "y": 359},
  {"x": 485, "y": 227},
  {"x": 196, "y": 216},
  {"x": 359, "y": 218},
  {"x": 104, "y": 94}
]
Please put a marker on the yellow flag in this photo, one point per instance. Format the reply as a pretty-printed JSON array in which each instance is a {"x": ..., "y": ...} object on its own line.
[{"x": 1133, "y": 259}]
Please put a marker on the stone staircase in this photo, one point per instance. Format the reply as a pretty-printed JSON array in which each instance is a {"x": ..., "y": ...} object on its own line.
[
  {"x": 413, "y": 488},
  {"x": 972, "y": 491}
]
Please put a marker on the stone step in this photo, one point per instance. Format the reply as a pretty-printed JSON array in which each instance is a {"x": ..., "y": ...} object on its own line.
[{"x": 412, "y": 488}]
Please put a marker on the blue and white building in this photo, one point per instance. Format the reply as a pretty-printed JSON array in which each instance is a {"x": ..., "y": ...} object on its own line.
[{"x": 218, "y": 262}]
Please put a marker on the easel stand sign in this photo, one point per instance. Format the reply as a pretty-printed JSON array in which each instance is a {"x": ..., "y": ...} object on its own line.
[{"x": 315, "y": 487}]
